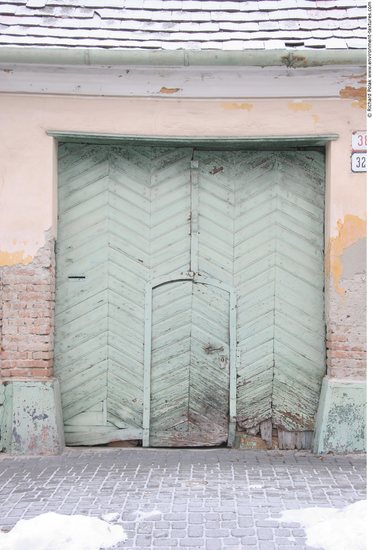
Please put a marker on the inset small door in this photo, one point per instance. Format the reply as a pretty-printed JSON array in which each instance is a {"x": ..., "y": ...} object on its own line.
[{"x": 189, "y": 391}]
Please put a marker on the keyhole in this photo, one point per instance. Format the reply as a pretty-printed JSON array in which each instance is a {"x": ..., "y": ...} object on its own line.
[{"x": 223, "y": 361}]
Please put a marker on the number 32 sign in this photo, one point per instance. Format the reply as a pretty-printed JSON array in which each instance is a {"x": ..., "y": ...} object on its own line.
[{"x": 359, "y": 152}]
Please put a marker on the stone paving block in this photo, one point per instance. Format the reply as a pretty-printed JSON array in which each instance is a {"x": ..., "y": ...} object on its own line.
[
  {"x": 192, "y": 543},
  {"x": 226, "y": 525},
  {"x": 267, "y": 523},
  {"x": 236, "y": 504},
  {"x": 280, "y": 541},
  {"x": 245, "y": 522},
  {"x": 165, "y": 542},
  {"x": 178, "y": 525},
  {"x": 228, "y": 515},
  {"x": 249, "y": 541},
  {"x": 213, "y": 544},
  {"x": 267, "y": 545},
  {"x": 180, "y": 534},
  {"x": 195, "y": 518},
  {"x": 281, "y": 532},
  {"x": 195, "y": 531},
  {"x": 211, "y": 516},
  {"x": 298, "y": 533},
  {"x": 217, "y": 533},
  {"x": 145, "y": 528},
  {"x": 143, "y": 541},
  {"x": 212, "y": 525},
  {"x": 264, "y": 534}
]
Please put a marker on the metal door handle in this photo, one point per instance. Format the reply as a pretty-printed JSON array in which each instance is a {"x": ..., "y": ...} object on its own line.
[{"x": 209, "y": 349}]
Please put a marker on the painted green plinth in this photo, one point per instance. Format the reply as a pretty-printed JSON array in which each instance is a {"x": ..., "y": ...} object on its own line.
[
  {"x": 31, "y": 417},
  {"x": 341, "y": 418}
]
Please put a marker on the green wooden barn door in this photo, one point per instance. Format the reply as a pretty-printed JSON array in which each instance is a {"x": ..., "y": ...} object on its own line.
[
  {"x": 261, "y": 230},
  {"x": 227, "y": 223},
  {"x": 123, "y": 220}
]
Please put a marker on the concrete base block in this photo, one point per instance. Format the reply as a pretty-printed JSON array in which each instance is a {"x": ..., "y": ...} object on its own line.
[
  {"x": 31, "y": 417},
  {"x": 341, "y": 417}
]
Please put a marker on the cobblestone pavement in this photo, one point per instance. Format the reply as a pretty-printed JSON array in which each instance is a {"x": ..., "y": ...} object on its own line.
[{"x": 211, "y": 499}]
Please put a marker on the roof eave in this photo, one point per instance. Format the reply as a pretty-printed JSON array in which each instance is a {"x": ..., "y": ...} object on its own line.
[{"x": 256, "y": 58}]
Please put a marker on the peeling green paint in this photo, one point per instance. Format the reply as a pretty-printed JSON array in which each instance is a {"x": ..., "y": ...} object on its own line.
[
  {"x": 6, "y": 393},
  {"x": 31, "y": 417},
  {"x": 341, "y": 418}
]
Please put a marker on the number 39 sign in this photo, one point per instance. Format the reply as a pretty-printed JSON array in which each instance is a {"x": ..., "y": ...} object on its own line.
[{"x": 359, "y": 152}]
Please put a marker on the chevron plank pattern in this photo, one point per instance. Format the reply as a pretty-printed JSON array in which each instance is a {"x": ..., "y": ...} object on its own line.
[
  {"x": 170, "y": 210},
  {"x": 254, "y": 272},
  {"x": 299, "y": 313},
  {"x": 81, "y": 305},
  {"x": 209, "y": 372},
  {"x": 171, "y": 334},
  {"x": 279, "y": 276},
  {"x": 123, "y": 219},
  {"x": 128, "y": 260},
  {"x": 190, "y": 373},
  {"x": 216, "y": 215}
]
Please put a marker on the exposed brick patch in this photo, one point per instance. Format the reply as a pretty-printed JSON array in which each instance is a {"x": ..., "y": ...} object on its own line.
[
  {"x": 27, "y": 310},
  {"x": 346, "y": 331}
]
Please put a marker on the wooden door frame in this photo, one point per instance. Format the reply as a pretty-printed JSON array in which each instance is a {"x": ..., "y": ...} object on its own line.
[
  {"x": 233, "y": 357},
  {"x": 226, "y": 143}
]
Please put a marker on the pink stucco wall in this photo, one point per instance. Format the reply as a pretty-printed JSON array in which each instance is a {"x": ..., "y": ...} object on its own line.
[
  {"x": 27, "y": 159},
  {"x": 28, "y": 176}
]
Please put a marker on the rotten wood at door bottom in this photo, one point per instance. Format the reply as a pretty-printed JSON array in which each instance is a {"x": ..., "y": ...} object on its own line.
[{"x": 266, "y": 435}]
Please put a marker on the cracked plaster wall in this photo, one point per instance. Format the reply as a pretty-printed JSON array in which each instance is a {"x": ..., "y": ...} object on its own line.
[{"x": 28, "y": 182}]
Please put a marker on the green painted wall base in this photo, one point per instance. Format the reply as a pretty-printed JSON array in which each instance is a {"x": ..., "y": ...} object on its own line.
[
  {"x": 341, "y": 418},
  {"x": 31, "y": 417}
]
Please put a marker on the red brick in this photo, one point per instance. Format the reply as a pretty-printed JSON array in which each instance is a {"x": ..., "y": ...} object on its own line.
[
  {"x": 47, "y": 372},
  {"x": 27, "y": 309},
  {"x": 5, "y": 373},
  {"x": 42, "y": 355}
]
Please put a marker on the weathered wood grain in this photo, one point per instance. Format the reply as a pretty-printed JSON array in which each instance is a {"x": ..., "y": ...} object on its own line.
[
  {"x": 268, "y": 207},
  {"x": 190, "y": 366},
  {"x": 125, "y": 216}
]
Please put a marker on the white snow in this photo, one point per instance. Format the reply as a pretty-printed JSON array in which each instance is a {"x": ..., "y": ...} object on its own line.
[
  {"x": 140, "y": 515},
  {"x": 113, "y": 516},
  {"x": 60, "y": 532},
  {"x": 331, "y": 528}
]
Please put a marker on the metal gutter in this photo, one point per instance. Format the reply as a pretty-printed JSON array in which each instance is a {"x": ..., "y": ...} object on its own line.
[{"x": 254, "y": 58}]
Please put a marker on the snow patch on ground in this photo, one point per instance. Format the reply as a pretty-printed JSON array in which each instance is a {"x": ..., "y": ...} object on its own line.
[
  {"x": 114, "y": 516},
  {"x": 60, "y": 532},
  {"x": 331, "y": 528},
  {"x": 151, "y": 514}
]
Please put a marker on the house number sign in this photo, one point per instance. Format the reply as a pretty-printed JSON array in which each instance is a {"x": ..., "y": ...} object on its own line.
[{"x": 359, "y": 152}]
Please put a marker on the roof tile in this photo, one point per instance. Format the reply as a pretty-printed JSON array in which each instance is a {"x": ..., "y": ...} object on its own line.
[
  {"x": 83, "y": 12},
  {"x": 108, "y": 3},
  {"x": 335, "y": 43},
  {"x": 360, "y": 43},
  {"x": 274, "y": 44},
  {"x": 36, "y": 3},
  {"x": 176, "y": 24},
  {"x": 233, "y": 26},
  {"x": 356, "y": 12},
  {"x": 7, "y": 8},
  {"x": 239, "y": 16}
]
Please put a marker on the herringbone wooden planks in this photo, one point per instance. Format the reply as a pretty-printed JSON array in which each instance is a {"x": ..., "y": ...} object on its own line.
[
  {"x": 125, "y": 220},
  {"x": 279, "y": 276},
  {"x": 190, "y": 367}
]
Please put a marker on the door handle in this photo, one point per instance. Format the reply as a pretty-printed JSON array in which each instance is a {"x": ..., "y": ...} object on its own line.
[{"x": 209, "y": 349}]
